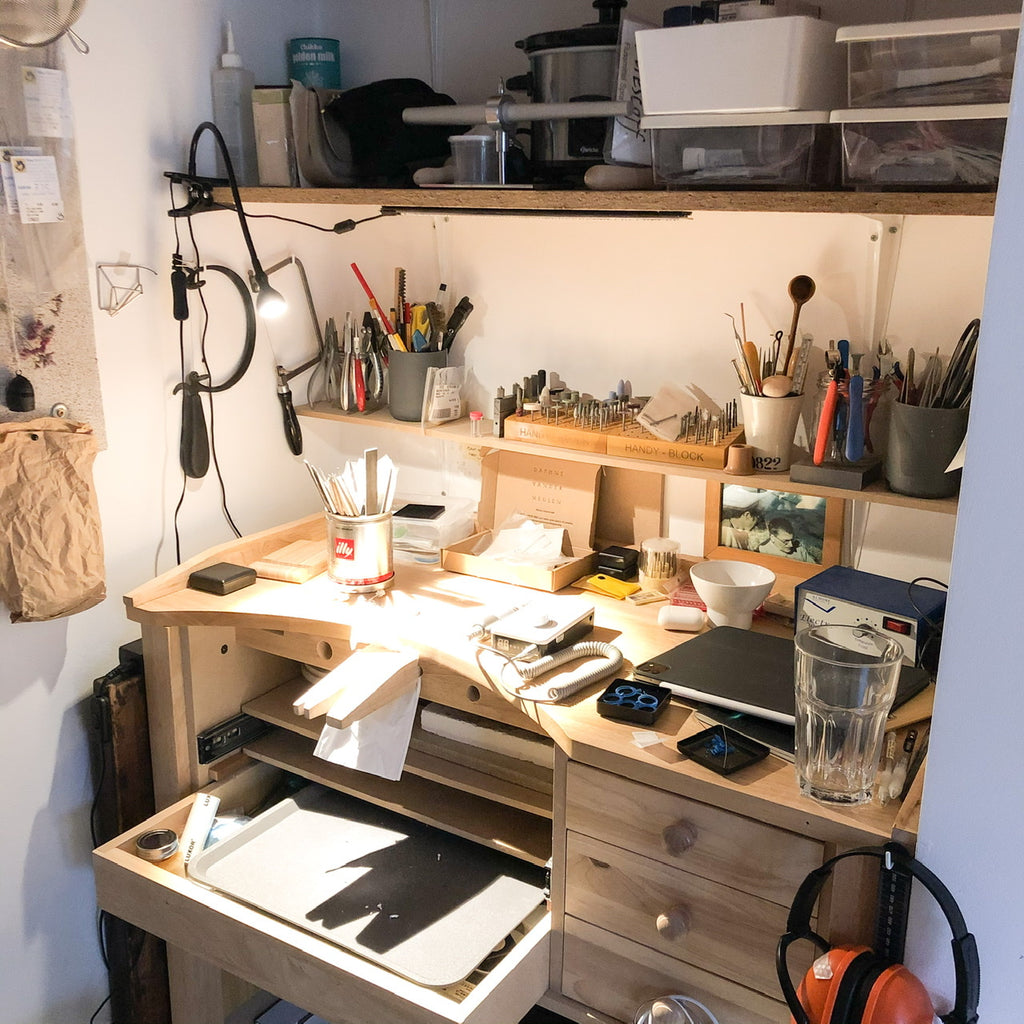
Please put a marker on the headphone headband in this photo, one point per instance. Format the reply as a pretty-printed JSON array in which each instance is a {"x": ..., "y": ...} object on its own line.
[{"x": 892, "y": 855}]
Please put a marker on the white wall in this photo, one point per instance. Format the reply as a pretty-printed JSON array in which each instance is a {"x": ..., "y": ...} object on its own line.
[
  {"x": 972, "y": 828},
  {"x": 594, "y": 299}
]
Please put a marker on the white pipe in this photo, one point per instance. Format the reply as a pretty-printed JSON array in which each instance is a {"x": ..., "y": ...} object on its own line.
[{"x": 514, "y": 112}]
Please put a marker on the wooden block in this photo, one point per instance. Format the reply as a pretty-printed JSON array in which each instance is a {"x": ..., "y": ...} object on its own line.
[
  {"x": 539, "y": 432},
  {"x": 647, "y": 447},
  {"x": 379, "y": 678},
  {"x": 294, "y": 563}
]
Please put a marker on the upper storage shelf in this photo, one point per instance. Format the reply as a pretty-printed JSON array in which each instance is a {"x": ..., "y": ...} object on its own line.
[{"x": 611, "y": 203}]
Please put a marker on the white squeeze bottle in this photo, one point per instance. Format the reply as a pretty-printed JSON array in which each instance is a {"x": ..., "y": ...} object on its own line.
[{"x": 232, "y": 114}]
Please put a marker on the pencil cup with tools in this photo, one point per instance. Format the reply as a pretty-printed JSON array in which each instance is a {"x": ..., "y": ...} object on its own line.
[
  {"x": 922, "y": 442},
  {"x": 407, "y": 378},
  {"x": 359, "y": 552},
  {"x": 769, "y": 426},
  {"x": 929, "y": 421},
  {"x": 357, "y": 503}
]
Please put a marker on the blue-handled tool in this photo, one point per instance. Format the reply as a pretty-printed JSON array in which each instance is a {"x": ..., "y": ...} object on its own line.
[
  {"x": 855, "y": 421},
  {"x": 844, "y": 352}
]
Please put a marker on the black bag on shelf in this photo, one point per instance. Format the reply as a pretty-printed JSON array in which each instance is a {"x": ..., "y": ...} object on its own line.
[{"x": 357, "y": 137}]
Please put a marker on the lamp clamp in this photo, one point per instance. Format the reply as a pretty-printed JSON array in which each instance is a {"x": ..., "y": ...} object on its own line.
[{"x": 199, "y": 191}]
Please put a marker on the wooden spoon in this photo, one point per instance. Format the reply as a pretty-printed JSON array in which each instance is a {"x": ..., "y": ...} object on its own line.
[{"x": 801, "y": 289}]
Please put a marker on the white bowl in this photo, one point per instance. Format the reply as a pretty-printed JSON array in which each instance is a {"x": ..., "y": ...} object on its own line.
[{"x": 731, "y": 590}]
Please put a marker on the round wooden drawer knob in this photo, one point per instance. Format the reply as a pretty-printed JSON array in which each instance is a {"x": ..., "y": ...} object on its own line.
[
  {"x": 678, "y": 838},
  {"x": 673, "y": 924}
]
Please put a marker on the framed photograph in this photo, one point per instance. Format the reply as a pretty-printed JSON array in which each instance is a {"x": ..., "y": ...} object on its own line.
[{"x": 791, "y": 534}]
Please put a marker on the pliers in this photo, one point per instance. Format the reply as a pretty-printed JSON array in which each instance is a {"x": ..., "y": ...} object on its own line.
[{"x": 369, "y": 368}]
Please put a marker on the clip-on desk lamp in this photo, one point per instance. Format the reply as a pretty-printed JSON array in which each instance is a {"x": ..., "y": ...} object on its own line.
[{"x": 194, "y": 448}]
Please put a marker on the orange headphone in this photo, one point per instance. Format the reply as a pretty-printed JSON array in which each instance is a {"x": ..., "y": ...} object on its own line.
[{"x": 858, "y": 985}]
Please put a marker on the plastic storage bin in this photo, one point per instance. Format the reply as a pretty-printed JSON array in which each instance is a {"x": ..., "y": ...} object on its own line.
[
  {"x": 770, "y": 64},
  {"x": 476, "y": 157},
  {"x": 421, "y": 539},
  {"x": 783, "y": 150},
  {"x": 924, "y": 63},
  {"x": 922, "y": 147}
]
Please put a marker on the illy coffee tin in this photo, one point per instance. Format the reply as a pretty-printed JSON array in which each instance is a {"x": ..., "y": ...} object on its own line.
[
  {"x": 359, "y": 555},
  {"x": 315, "y": 63}
]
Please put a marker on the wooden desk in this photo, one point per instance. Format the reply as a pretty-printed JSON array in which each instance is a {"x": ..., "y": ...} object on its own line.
[{"x": 724, "y": 856}]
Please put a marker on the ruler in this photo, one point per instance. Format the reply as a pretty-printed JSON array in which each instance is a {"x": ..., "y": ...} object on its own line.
[{"x": 803, "y": 356}]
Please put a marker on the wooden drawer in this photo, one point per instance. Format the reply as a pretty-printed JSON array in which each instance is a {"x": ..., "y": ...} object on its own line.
[
  {"x": 707, "y": 924},
  {"x": 707, "y": 841},
  {"x": 295, "y": 965},
  {"x": 614, "y": 976}
]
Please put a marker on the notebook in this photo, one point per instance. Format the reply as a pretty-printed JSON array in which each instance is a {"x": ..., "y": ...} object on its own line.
[{"x": 745, "y": 671}]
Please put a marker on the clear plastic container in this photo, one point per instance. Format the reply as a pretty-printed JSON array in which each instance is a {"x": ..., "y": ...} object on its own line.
[
  {"x": 875, "y": 411},
  {"x": 792, "y": 149},
  {"x": 918, "y": 63},
  {"x": 923, "y": 148},
  {"x": 476, "y": 157}
]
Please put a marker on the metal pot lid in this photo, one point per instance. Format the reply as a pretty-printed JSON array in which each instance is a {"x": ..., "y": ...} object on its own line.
[{"x": 604, "y": 32}]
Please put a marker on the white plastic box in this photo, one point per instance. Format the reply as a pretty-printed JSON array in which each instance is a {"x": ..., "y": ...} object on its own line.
[
  {"x": 944, "y": 148},
  {"x": 924, "y": 63},
  {"x": 421, "y": 540},
  {"x": 763, "y": 65},
  {"x": 793, "y": 149}
]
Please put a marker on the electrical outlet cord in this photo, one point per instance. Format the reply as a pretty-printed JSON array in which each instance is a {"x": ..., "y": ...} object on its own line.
[{"x": 565, "y": 684}]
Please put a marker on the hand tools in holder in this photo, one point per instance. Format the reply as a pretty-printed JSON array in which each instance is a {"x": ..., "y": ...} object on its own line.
[
  {"x": 828, "y": 415},
  {"x": 855, "y": 423}
]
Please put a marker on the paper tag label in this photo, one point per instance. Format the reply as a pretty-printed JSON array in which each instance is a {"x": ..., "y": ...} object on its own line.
[
  {"x": 47, "y": 109},
  {"x": 38, "y": 189},
  {"x": 7, "y": 172}
]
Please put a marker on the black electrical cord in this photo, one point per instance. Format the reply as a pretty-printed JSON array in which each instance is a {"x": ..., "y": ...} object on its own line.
[
  {"x": 936, "y": 627},
  {"x": 209, "y": 391},
  {"x": 92, "y": 1019},
  {"x": 341, "y": 228}
]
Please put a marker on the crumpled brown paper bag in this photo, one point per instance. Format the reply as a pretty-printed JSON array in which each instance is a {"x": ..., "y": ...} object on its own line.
[{"x": 51, "y": 545}]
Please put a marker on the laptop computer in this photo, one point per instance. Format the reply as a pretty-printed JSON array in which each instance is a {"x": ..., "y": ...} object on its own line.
[{"x": 745, "y": 671}]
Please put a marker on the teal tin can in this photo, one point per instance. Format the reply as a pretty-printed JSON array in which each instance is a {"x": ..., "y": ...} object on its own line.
[{"x": 315, "y": 62}]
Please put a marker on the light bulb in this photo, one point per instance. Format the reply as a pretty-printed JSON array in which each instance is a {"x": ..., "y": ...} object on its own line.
[{"x": 270, "y": 303}]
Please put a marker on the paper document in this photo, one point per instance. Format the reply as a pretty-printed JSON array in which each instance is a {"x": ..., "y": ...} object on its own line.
[{"x": 376, "y": 744}]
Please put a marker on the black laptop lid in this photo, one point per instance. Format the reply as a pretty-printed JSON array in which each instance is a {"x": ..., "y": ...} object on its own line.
[{"x": 745, "y": 671}]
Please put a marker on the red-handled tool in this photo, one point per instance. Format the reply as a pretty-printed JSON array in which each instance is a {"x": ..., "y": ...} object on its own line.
[{"x": 827, "y": 418}]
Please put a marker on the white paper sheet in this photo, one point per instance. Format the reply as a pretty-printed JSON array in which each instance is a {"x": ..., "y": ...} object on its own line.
[
  {"x": 38, "y": 189},
  {"x": 47, "y": 107},
  {"x": 376, "y": 744}
]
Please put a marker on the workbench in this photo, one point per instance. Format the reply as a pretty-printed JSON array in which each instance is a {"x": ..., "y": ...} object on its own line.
[{"x": 665, "y": 877}]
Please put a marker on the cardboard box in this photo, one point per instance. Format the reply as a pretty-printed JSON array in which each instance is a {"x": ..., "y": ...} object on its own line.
[
  {"x": 549, "y": 491},
  {"x": 275, "y": 143}
]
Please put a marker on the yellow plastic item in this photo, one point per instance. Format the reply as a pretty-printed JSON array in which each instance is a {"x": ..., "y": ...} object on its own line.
[{"x": 619, "y": 589}]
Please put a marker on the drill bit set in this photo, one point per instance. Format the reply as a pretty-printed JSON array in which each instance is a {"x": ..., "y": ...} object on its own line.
[{"x": 543, "y": 410}]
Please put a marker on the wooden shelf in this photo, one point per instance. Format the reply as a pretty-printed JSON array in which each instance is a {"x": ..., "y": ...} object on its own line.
[
  {"x": 482, "y": 820},
  {"x": 458, "y": 432},
  {"x": 565, "y": 201},
  {"x": 469, "y": 769}
]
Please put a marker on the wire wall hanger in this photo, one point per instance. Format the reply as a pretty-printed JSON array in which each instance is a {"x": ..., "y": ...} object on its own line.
[{"x": 116, "y": 287}]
